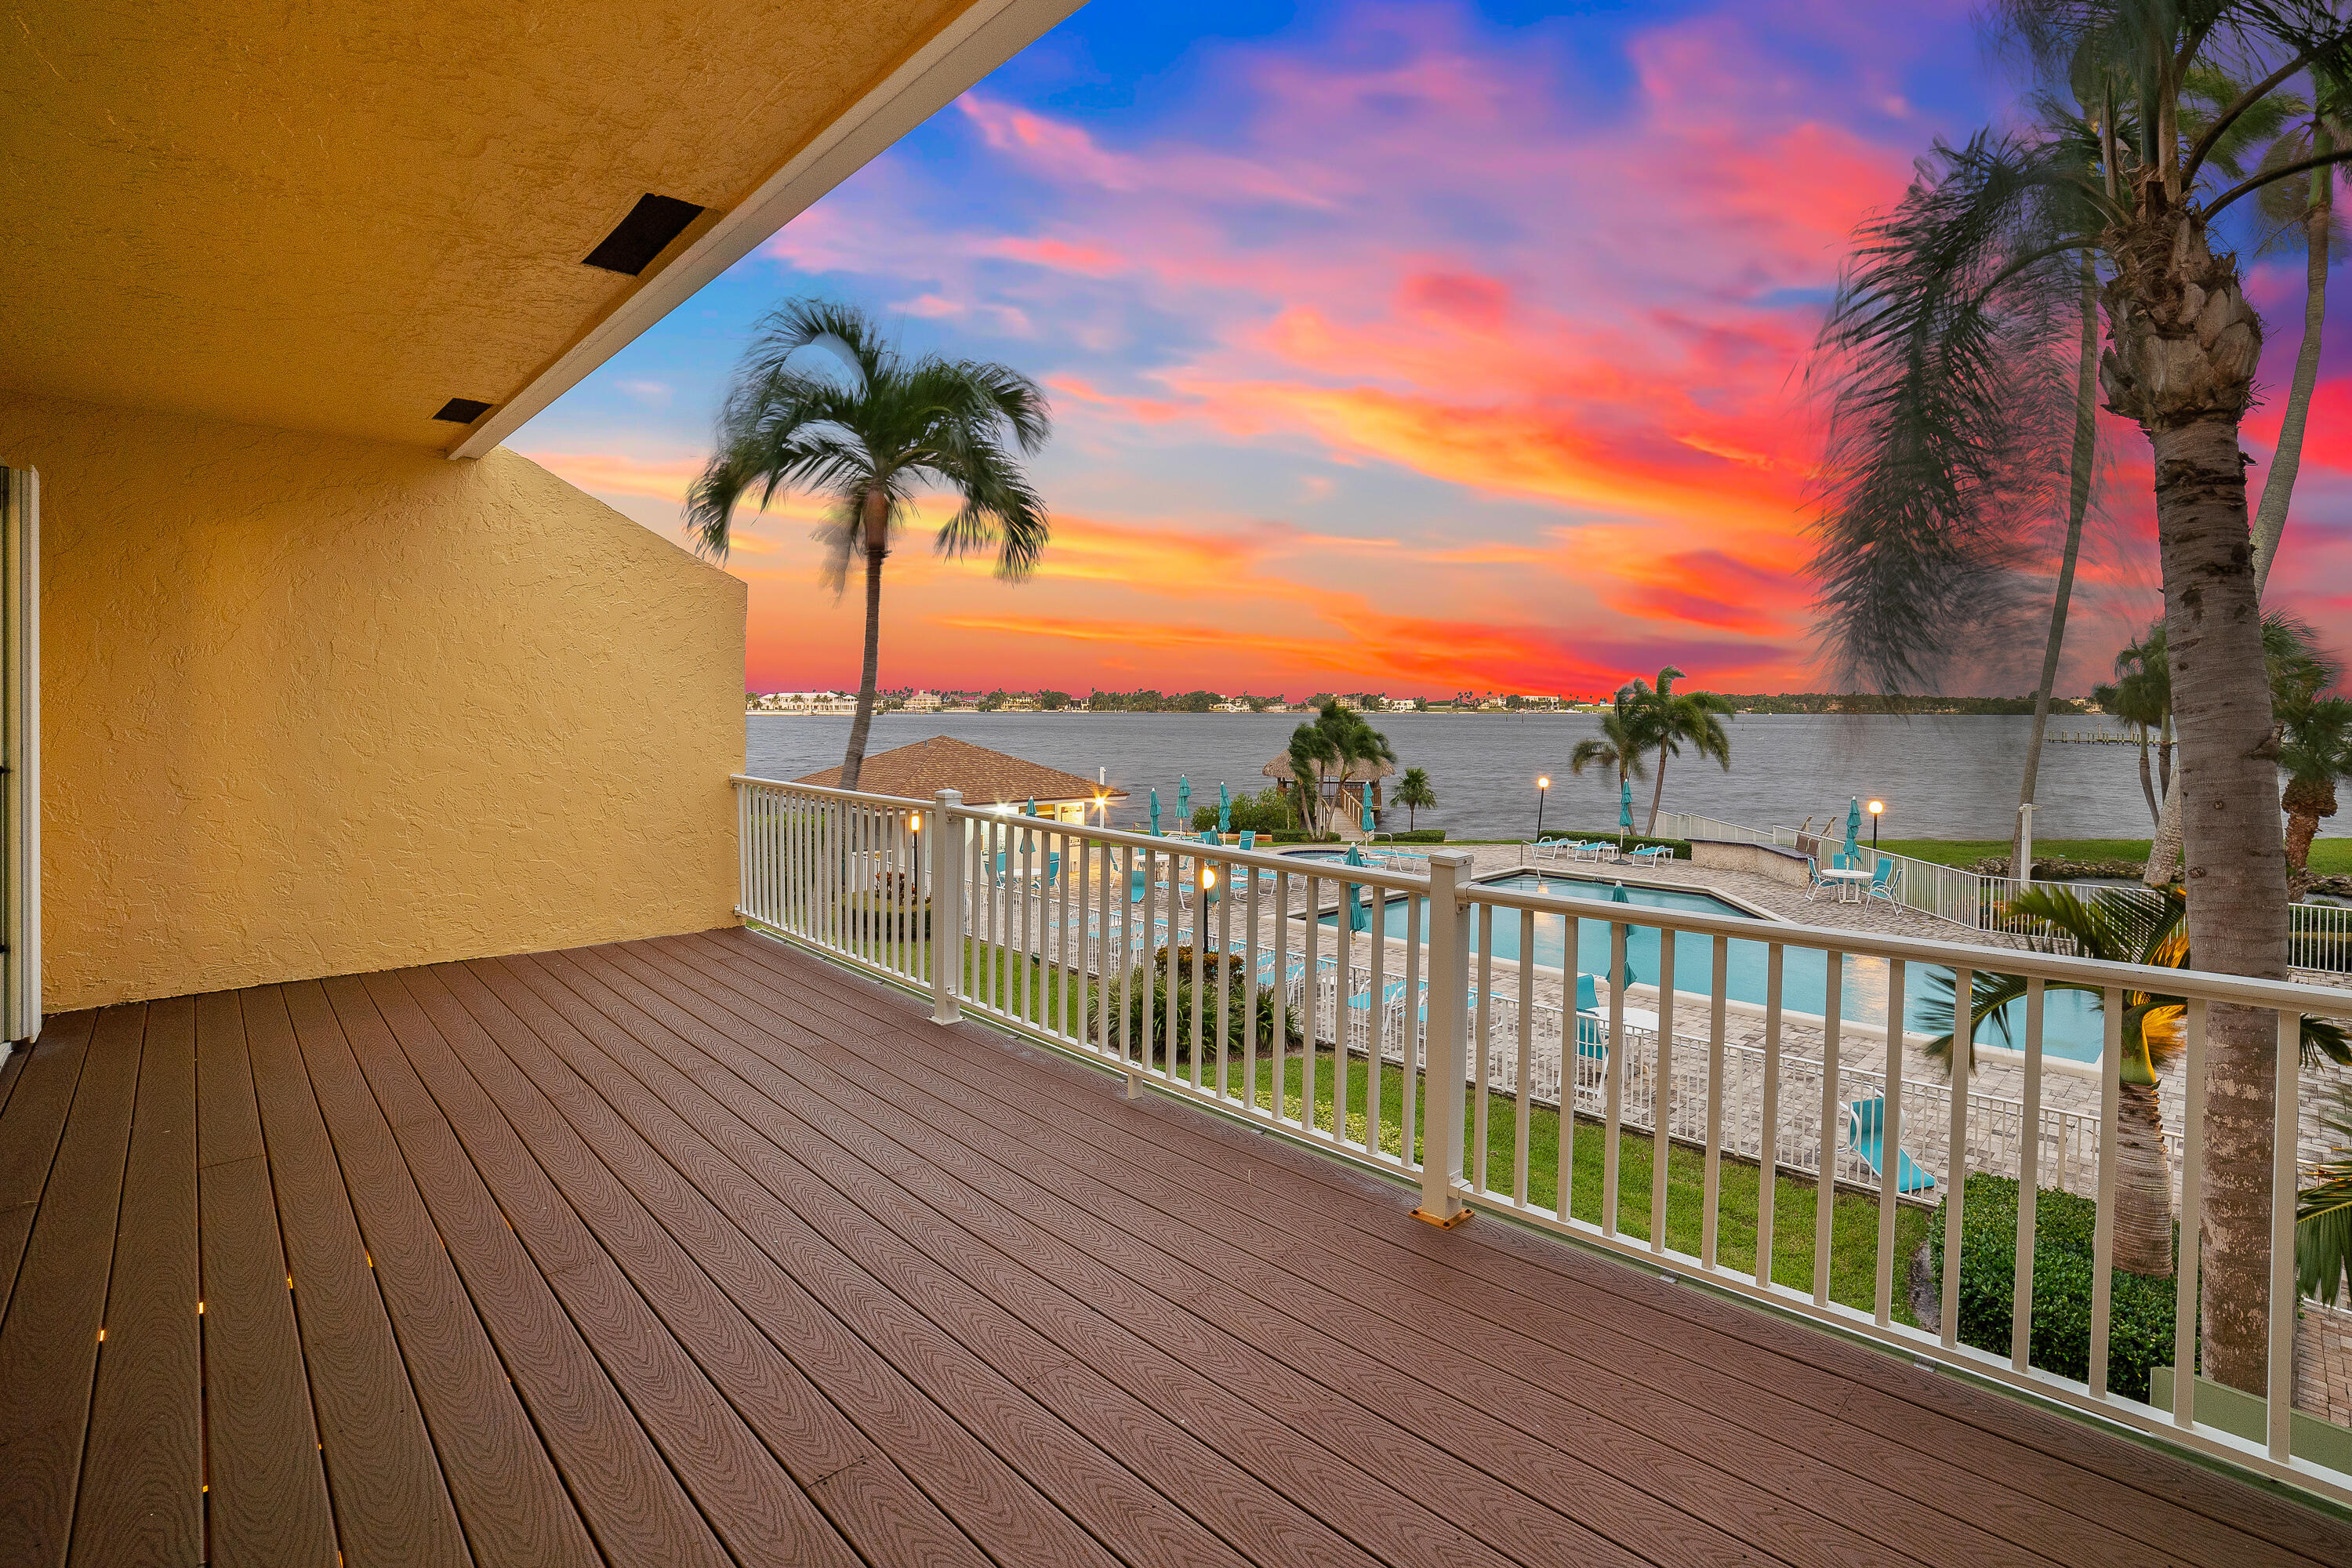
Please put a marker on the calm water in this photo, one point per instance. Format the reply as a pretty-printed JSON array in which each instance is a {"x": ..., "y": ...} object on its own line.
[{"x": 1941, "y": 776}]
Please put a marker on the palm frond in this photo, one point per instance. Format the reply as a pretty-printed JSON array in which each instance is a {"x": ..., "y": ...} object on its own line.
[{"x": 1949, "y": 395}]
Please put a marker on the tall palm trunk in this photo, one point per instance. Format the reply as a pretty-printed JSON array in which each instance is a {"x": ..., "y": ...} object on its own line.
[
  {"x": 2305, "y": 803},
  {"x": 877, "y": 550},
  {"x": 1657, "y": 793},
  {"x": 2278, "y": 486},
  {"x": 2078, "y": 502},
  {"x": 2147, "y": 783},
  {"x": 2184, "y": 345},
  {"x": 2142, "y": 1184}
]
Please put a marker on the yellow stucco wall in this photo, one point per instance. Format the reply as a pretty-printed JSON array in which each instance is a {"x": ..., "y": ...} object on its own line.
[{"x": 314, "y": 705}]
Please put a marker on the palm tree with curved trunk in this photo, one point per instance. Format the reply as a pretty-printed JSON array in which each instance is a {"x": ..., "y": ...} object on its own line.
[
  {"x": 2141, "y": 695},
  {"x": 1337, "y": 739},
  {"x": 1671, "y": 717},
  {"x": 867, "y": 431},
  {"x": 2316, "y": 750},
  {"x": 1413, "y": 794},
  {"x": 1944, "y": 346}
]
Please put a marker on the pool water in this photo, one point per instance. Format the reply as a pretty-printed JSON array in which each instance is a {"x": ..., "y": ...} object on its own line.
[{"x": 2072, "y": 1024}]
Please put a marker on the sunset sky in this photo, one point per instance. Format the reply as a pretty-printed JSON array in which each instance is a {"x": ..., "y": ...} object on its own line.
[{"x": 1397, "y": 347}]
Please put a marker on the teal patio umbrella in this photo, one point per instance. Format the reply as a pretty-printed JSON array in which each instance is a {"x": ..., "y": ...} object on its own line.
[
  {"x": 1155, "y": 811},
  {"x": 1617, "y": 895},
  {"x": 1366, "y": 796},
  {"x": 1853, "y": 830},
  {"x": 1359, "y": 915},
  {"x": 1028, "y": 842},
  {"x": 1625, "y": 806},
  {"x": 1183, "y": 802},
  {"x": 1224, "y": 808}
]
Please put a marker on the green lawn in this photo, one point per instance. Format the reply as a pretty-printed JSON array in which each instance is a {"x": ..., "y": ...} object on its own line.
[
  {"x": 2329, "y": 857},
  {"x": 1854, "y": 1233}
]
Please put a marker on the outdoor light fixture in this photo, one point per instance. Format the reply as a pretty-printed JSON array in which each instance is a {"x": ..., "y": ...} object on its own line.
[
  {"x": 1878, "y": 810},
  {"x": 1543, "y": 790}
]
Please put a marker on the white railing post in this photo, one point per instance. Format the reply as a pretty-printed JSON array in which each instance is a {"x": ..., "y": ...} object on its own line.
[
  {"x": 945, "y": 865},
  {"x": 1449, "y": 988}
]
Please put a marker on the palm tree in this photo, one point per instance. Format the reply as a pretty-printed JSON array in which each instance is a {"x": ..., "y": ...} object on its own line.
[
  {"x": 2123, "y": 926},
  {"x": 1669, "y": 718},
  {"x": 1413, "y": 794},
  {"x": 1942, "y": 348},
  {"x": 1624, "y": 737},
  {"x": 867, "y": 434},
  {"x": 2141, "y": 697},
  {"x": 2315, "y": 750},
  {"x": 1335, "y": 740}
]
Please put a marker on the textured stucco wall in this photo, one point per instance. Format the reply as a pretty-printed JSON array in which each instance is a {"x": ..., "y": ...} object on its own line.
[{"x": 314, "y": 705}]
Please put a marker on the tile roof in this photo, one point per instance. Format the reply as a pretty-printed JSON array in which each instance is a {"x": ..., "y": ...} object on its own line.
[{"x": 921, "y": 770}]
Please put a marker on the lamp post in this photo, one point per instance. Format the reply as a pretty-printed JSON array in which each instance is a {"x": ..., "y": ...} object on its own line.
[
  {"x": 1543, "y": 788},
  {"x": 1878, "y": 810}
]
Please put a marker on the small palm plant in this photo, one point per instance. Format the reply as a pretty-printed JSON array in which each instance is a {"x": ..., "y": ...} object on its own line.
[
  {"x": 867, "y": 437},
  {"x": 1413, "y": 794},
  {"x": 1335, "y": 740},
  {"x": 2322, "y": 1210},
  {"x": 2122, "y": 925}
]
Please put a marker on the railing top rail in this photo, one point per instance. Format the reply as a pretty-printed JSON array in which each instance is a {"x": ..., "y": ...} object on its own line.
[
  {"x": 827, "y": 791},
  {"x": 2191, "y": 983}
]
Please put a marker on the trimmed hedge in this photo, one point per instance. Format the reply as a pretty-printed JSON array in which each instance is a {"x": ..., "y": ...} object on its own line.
[{"x": 2139, "y": 1323}]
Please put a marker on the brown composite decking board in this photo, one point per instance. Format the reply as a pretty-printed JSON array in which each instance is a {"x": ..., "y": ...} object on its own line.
[
  {"x": 30, "y": 1125},
  {"x": 756, "y": 1511},
  {"x": 878, "y": 1510},
  {"x": 1514, "y": 1522},
  {"x": 1342, "y": 1198},
  {"x": 1096, "y": 1489},
  {"x": 633, "y": 1504},
  {"x": 509, "y": 1496},
  {"x": 713, "y": 1208},
  {"x": 142, "y": 1495},
  {"x": 49, "y": 1340},
  {"x": 2165, "y": 1502},
  {"x": 266, "y": 1497},
  {"x": 702, "y": 1248},
  {"x": 1354, "y": 1501},
  {"x": 1407, "y": 1348}
]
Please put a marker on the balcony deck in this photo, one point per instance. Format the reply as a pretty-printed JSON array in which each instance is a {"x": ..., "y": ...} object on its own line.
[{"x": 700, "y": 1250}]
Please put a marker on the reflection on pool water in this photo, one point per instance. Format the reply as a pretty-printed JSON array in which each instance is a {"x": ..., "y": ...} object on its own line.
[{"x": 2072, "y": 1026}]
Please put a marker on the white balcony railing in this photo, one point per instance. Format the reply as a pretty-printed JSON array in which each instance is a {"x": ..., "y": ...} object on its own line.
[{"x": 1443, "y": 1048}]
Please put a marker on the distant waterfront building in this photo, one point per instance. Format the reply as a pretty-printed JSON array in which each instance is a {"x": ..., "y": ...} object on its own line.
[
  {"x": 1397, "y": 704},
  {"x": 805, "y": 702},
  {"x": 923, "y": 702}
]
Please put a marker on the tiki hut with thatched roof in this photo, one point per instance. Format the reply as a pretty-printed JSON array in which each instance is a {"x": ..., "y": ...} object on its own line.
[{"x": 985, "y": 777}]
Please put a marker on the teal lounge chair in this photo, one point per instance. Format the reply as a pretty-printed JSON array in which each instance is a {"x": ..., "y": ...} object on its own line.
[
  {"x": 1867, "y": 1133},
  {"x": 1588, "y": 1022},
  {"x": 1653, "y": 853},
  {"x": 1880, "y": 885}
]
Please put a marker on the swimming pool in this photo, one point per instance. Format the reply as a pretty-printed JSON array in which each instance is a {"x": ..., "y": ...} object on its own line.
[{"x": 2072, "y": 1024}]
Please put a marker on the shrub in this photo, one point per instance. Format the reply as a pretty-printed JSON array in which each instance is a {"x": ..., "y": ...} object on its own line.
[
  {"x": 891, "y": 908},
  {"x": 1148, "y": 987},
  {"x": 2139, "y": 1323},
  {"x": 1267, "y": 811},
  {"x": 1422, "y": 836}
]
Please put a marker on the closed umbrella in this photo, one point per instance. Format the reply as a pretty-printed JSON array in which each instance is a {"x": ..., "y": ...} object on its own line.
[
  {"x": 1183, "y": 802},
  {"x": 1155, "y": 811},
  {"x": 1028, "y": 842},
  {"x": 1625, "y": 806},
  {"x": 1366, "y": 796},
  {"x": 1224, "y": 808},
  {"x": 1854, "y": 831},
  {"x": 1359, "y": 917},
  {"x": 1617, "y": 895}
]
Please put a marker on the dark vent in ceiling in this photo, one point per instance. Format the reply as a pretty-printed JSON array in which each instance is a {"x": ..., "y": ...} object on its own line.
[
  {"x": 462, "y": 411},
  {"x": 651, "y": 225}
]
